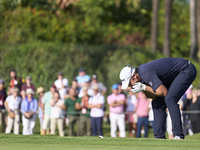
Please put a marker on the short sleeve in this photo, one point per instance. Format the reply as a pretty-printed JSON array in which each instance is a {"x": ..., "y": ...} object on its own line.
[
  {"x": 78, "y": 100},
  {"x": 152, "y": 80},
  {"x": 66, "y": 102},
  {"x": 123, "y": 97},
  {"x": 44, "y": 98},
  {"x": 8, "y": 99},
  {"x": 109, "y": 100},
  {"x": 65, "y": 82},
  {"x": 90, "y": 100}
]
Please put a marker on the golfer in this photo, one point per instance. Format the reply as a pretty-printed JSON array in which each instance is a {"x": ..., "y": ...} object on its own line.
[{"x": 164, "y": 80}]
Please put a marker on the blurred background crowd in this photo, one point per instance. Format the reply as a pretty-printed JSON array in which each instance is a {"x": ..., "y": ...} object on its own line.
[{"x": 83, "y": 105}]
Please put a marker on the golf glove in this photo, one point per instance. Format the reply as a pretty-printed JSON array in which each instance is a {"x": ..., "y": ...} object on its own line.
[{"x": 138, "y": 87}]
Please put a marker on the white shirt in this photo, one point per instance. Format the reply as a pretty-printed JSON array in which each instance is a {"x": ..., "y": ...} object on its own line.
[
  {"x": 57, "y": 112},
  {"x": 89, "y": 92},
  {"x": 97, "y": 99},
  {"x": 58, "y": 84},
  {"x": 131, "y": 100},
  {"x": 13, "y": 103}
]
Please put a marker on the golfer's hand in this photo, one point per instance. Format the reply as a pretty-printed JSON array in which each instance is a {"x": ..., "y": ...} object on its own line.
[{"x": 138, "y": 87}]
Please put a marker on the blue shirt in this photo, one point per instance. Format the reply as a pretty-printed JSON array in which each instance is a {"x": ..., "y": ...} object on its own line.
[
  {"x": 83, "y": 79},
  {"x": 27, "y": 106},
  {"x": 161, "y": 71}
]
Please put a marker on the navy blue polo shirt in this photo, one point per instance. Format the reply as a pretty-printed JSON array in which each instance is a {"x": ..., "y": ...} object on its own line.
[{"x": 161, "y": 71}]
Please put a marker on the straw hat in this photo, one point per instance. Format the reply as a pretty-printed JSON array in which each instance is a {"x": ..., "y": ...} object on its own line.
[{"x": 40, "y": 90}]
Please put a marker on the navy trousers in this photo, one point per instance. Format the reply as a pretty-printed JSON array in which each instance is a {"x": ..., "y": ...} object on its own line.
[
  {"x": 175, "y": 91},
  {"x": 96, "y": 124}
]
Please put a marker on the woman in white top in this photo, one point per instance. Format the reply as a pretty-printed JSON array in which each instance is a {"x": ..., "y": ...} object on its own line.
[
  {"x": 96, "y": 104},
  {"x": 57, "y": 114},
  {"x": 12, "y": 105},
  {"x": 131, "y": 116}
]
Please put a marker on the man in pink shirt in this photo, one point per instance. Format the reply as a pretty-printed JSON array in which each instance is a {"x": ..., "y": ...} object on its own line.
[
  {"x": 116, "y": 107},
  {"x": 142, "y": 111}
]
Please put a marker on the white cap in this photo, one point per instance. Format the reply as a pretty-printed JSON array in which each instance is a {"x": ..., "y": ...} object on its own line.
[
  {"x": 125, "y": 75},
  {"x": 29, "y": 91}
]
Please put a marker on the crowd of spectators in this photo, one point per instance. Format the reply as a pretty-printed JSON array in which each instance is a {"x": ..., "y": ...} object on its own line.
[{"x": 82, "y": 105}]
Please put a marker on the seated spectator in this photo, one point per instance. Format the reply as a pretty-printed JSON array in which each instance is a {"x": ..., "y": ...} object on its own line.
[
  {"x": 102, "y": 88},
  {"x": 142, "y": 111},
  {"x": 40, "y": 92},
  {"x": 61, "y": 84},
  {"x": 26, "y": 86},
  {"x": 193, "y": 104},
  {"x": 46, "y": 108},
  {"x": 89, "y": 90},
  {"x": 130, "y": 115},
  {"x": 75, "y": 86},
  {"x": 3, "y": 96},
  {"x": 82, "y": 78},
  {"x": 72, "y": 113},
  {"x": 116, "y": 106},
  {"x": 12, "y": 105},
  {"x": 15, "y": 81},
  {"x": 82, "y": 104},
  {"x": 96, "y": 104},
  {"x": 29, "y": 108},
  {"x": 57, "y": 114}
]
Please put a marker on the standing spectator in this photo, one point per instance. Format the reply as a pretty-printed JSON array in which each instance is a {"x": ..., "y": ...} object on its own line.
[
  {"x": 75, "y": 86},
  {"x": 15, "y": 81},
  {"x": 82, "y": 78},
  {"x": 142, "y": 110},
  {"x": 130, "y": 115},
  {"x": 85, "y": 123},
  {"x": 46, "y": 108},
  {"x": 3, "y": 96},
  {"x": 72, "y": 112},
  {"x": 26, "y": 86},
  {"x": 12, "y": 105},
  {"x": 40, "y": 92},
  {"x": 193, "y": 104},
  {"x": 61, "y": 84},
  {"x": 57, "y": 114},
  {"x": 89, "y": 90},
  {"x": 96, "y": 104},
  {"x": 116, "y": 106},
  {"x": 102, "y": 88},
  {"x": 29, "y": 108}
]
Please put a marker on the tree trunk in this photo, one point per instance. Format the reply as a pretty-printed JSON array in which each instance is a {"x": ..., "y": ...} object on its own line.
[
  {"x": 154, "y": 25},
  {"x": 166, "y": 46},
  {"x": 193, "y": 30},
  {"x": 198, "y": 25}
]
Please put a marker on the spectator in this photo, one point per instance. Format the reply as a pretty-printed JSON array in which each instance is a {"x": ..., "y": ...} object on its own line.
[
  {"x": 82, "y": 78},
  {"x": 85, "y": 123},
  {"x": 142, "y": 111},
  {"x": 151, "y": 117},
  {"x": 193, "y": 104},
  {"x": 12, "y": 105},
  {"x": 26, "y": 86},
  {"x": 46, "y": 108},
  {"x": 89, "y": 90},
  {"x": 96, "y": 104},
  {"x": 40, "y": 92},
  {"x": 57, "y": 114},
  {"x": 61, "y": 84},
  {"x": 102, "y": 88},
  {"x": 130, "y": 115},
  {"x": 116, "y": 106},
  {"x": 3, "y": 96},
  {"x": 15, "y": 81},
  {"x": 29, "y": 108},
  {"x": 75, "y": 86},
  {"x": 72, "y": 112}
]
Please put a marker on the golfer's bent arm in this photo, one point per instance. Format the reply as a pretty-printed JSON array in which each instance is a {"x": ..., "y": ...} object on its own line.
[{"x": 161, "y": 91}]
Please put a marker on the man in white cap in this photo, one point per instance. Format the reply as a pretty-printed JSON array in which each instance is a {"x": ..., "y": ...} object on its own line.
[{"x": 164, "y": 80}]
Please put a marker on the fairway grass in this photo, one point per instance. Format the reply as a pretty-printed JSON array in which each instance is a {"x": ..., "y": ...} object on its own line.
[{"x": 38, "y": 142}]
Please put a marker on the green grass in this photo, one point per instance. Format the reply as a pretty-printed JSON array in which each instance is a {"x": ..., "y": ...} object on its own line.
[{"x": 50, "y": 142}]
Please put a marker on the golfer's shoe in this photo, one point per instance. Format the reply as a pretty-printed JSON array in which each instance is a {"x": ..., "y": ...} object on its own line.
[{"x": 176, "y": 138}]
